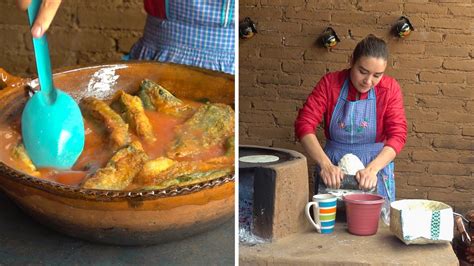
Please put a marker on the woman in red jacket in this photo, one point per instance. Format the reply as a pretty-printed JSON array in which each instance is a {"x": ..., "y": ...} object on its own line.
[{"x": 363, "y": 114}]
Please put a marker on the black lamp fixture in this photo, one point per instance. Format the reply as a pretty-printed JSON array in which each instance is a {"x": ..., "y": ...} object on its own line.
[
  {"x": 328, "y": 38},
  {"x": 403, "y": 27},
  {"x": 247, "y": 28}
]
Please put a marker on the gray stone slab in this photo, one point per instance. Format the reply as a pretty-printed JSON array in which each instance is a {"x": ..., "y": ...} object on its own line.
[
  {"x": 342, "y": 248},
  {"x": 24, "y": 241}
]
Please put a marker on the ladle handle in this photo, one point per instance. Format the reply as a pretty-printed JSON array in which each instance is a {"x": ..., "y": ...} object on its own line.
[{"x": 43, "y": 62}]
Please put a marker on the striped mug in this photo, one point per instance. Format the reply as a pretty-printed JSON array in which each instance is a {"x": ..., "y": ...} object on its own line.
[{"x": 324, "y": 211}]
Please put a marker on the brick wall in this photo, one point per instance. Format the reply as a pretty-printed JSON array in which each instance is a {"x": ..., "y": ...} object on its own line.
[
  {"x": 281, "y": 64},
  {"x": 83, "y": 32}
]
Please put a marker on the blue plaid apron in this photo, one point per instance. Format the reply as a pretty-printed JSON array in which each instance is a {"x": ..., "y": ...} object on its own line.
[
  {"x": 353, "y": 129},
  {"x": 195, "y": 32}
]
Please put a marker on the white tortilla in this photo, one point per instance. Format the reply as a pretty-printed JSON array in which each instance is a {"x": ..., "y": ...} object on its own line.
[{"x": 259, "y": 159}]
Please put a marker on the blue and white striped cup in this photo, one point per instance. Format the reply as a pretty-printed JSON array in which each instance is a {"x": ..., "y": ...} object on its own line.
[{"x": 324, "y": 211}]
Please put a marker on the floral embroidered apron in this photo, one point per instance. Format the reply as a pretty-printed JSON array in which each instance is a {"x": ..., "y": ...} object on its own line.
[{"x": 353, "y": 129}]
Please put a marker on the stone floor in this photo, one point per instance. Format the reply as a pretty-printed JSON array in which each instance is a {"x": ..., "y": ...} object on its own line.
[{"x": 342, "y": 248}]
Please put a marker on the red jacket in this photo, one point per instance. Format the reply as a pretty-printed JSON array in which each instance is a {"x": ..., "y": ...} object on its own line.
[
  {"x": 391, "y": 121},
  {"x": 155, "y": 8}
]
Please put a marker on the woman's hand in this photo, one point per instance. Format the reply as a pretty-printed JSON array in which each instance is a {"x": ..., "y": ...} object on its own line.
[
  {"x": 367, "y": 178},
  {"x": 331, "y": 175},
  {"x": 45, "y": 15}
]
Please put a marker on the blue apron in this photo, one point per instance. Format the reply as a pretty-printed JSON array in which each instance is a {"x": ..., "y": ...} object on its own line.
[
  {"x": 195, "y": 32},
  {"x": 353, "y": 129}
]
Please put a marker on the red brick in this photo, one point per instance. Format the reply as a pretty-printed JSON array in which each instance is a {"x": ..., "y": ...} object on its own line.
[
  {"x": 459, "y": 39},
  {"x": 447, "y": 23},
  {"x": 403, "y": 74},
  {"x": 462, "y": 11},
  {"x": 12, "y": 15},
  {"x": 457, "y": 117},
  {"x": 466, "y": 159},
  {"x": 265, "y": 39},
  {"x": 247, "y": 80},
  {"x": 303, "y": 68},
  {"x": 84, "y": 40},
  {"x": 444, "y": 77},
  {"x": 271, "y": 132},
  {"x": 309, "y": 81},
  {"x": 307, "y": 15},
  {"x": 343, "y": 5},
  {"x": 267, "y": 64},
  {"x": 283, "y": 3},
  {"x": 323, "y": 55},
  {"x": 418, "y": 63},
  {"x": 111, "y": 18},
  {"x": 279, "y": 79},
  {"x": 453, "y": 142},
  {"x": 379, "y": 6},
  {"x": 421, "y": 155},
  {"x": 404, "y": 166},
  {"x": 17, "y": 65},
  {"x": 457, "y": 91},
  {"x": 425, "y": 89},
  {"x": 437, "y": 128},
  {"x": 279, "y": 26},
  {"x": 282, "y": 53},
  {"x": 286, "y": 119},
  {"x": 300, "y": 40},
  {"x": 280, "y": 105},
  {"x": 406, "y": 48},
  {"x": 360, "y": 32},
  {"x": 421, "y": 115},
  {"x": 256, "y": 117},
  {"x": 440, "y": 102},
  {"x": 454, "y": 196},
  {"x": 462, "y": 65},
  {"x": 294, "y": 92},
  {"x": 258, "y": 91},
  {"x": 448, "y": 169},
  {"x": 352, "y": 18},
  {"x": 245, "y": 3},
  {"x": 441, "y": 181},
  {"x": 425, "y": 8},
  {"x": 126, "y": 43},
  {"x": 411, "y": 193},
  {"x": 426, "y": 36},
  {"x": 264, "y": 13},
  {"x": 446, "y": 50},
  {"x": 468, "y": 131},
  {"x": 12, "y": 39},
  {"x": 318, "y": 4}
]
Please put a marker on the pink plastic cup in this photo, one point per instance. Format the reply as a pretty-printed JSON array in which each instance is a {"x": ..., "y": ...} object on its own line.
[{"x": 363, "y": 213}]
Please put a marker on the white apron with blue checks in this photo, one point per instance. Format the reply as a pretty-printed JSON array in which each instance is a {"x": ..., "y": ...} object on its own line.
[{"x": 195, "y": 32}]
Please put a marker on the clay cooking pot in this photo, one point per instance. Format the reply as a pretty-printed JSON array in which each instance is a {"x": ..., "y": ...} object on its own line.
[{"x": 121, "y": 217}]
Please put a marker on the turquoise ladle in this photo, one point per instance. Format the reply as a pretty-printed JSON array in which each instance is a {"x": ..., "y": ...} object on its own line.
[{"x": 51, "y": 123}]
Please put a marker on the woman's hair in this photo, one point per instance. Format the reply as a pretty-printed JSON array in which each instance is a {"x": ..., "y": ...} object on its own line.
[{"x": 370, "y": 46}]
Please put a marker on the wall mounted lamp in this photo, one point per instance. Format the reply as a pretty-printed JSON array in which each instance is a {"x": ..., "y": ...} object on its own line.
[
  {"x": 328, "y": 38},
  {"x": 247, "y": 28},
  {"x": 403, "y": 27}
]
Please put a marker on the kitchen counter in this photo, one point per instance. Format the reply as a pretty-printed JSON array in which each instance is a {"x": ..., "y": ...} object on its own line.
[
  {"x": 343, "y": 248},
  {"x": 24, "y": 241}
]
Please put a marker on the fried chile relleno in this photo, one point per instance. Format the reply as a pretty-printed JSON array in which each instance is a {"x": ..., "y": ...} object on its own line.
[
  {"x": 211, "y": 125},
  {"x": 120, "y": 170},
  {"x": 131, "y": 109},
  {"x": 150, "y": 141},
  {"x": 103, "y": 114},
  {"x": 157, "y": 98}
]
